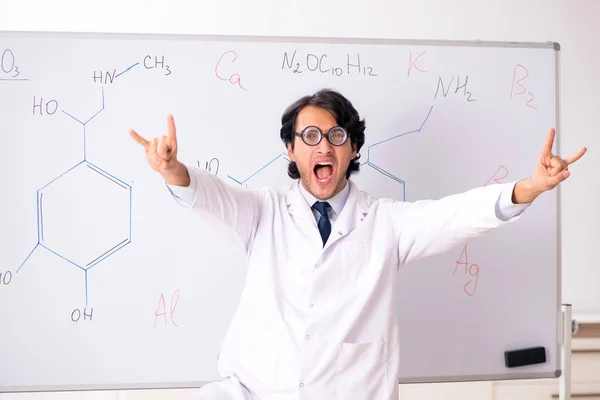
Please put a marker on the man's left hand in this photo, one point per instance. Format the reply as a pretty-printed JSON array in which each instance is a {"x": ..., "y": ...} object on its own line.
[{"x": 550, "y": 170}]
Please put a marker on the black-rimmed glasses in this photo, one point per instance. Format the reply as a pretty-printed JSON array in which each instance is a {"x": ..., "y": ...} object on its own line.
[{"x": 312, "y": 135}]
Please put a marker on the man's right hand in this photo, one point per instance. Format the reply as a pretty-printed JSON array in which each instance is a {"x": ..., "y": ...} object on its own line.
[{"x": 161, "y": 153}]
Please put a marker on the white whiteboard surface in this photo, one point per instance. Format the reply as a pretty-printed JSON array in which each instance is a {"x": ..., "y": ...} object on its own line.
[{"x": 88, "y": 228}]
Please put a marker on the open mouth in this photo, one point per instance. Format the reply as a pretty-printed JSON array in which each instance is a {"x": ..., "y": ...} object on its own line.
[{"x": 323, "y": 172}]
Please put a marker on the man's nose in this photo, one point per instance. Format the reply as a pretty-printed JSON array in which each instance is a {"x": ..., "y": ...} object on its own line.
[{"x": 324, "y": 146}]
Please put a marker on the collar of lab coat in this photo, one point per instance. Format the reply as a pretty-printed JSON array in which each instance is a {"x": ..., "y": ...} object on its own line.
[
  {"x": 336, "y": 202},
  {"x": 354, "y": 212}
]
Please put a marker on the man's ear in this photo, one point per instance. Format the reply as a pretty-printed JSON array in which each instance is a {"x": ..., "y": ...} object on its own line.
[
  {"x": 290, "y": 152},
  {"x": 354, "y": 151}
]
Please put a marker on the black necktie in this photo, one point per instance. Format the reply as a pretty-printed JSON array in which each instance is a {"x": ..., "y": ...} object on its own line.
[{"x": 323, "y": 224}]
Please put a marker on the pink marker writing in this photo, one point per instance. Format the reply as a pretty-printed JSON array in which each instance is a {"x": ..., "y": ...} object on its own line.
[
  {"x": 161, "y": 310},
  {"x": 413, "y": 64},
  {"x": 500, "y": 174},
  {"x": 234, "y": 78},
  {"x": 473, "y": 270},
  {"x": 523, "y": 74}
]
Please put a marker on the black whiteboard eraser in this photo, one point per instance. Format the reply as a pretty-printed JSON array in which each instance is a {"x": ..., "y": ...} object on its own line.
[{"x": 522, "y": 357}]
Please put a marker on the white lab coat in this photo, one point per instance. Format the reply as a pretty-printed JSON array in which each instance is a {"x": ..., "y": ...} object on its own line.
[{"x": 320, "y": 322}]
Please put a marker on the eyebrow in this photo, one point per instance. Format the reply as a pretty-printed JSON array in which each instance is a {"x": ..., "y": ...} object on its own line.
[{"x": 322, "y": 130}]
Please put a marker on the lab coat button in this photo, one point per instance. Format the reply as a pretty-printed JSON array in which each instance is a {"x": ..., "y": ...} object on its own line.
[
  {"x": 311, "y": 305},
  {"x": 307, "y": 337},
  {"x": 301, "y": 384}
]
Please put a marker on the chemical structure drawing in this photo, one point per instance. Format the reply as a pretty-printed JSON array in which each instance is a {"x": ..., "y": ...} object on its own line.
[
  {"x": 369, "y": 162},
  {"x": 84, "y": 214},
  {"x": 280, "y": 158},
  {"x": 364, "y": 174}
]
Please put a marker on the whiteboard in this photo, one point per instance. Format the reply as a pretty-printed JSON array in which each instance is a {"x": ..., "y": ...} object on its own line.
[{"x": 105, "y": 283}]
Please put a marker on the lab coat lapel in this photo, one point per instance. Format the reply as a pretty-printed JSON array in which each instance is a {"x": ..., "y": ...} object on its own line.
[
  {"x": 297, "y": 206},
  {"x": 354, "y": 212}
]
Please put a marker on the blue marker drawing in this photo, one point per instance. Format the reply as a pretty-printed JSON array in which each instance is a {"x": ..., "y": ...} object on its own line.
[
  {"x": 127, "y": 69},
  {"x": 260, "y": 169},
  {"x": 84, "y": 214},
  {"x": 368, "y": 162},
  {"x": 379, "y": 168}
]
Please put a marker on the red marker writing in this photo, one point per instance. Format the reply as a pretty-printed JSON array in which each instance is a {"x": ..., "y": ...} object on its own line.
[
  {"x": 413, "y": 64},
  {"x": 500, "y": 174},
  {"x": 473, "y": 270},
  {"x": 233, "y": 79},
  {"x": 161, "y": 310},
  {"x": 524, "y": 74}
]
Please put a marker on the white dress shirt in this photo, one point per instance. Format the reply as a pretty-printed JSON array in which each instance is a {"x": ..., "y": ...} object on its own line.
[{"x": 319, "y": 322}]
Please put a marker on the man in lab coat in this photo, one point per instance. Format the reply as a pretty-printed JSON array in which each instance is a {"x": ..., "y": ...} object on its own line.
[{"x": 316, "y": 318}]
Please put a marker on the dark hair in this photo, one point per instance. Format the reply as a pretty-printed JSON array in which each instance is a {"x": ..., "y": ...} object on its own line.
[{"x": 342, "y": 110}]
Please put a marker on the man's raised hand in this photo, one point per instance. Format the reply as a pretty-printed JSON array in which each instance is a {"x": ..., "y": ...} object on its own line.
[
  {"x": 551, "y": 169},
  {"x": 161, "y": 154}
]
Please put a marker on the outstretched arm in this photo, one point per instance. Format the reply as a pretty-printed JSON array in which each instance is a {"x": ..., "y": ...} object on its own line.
[
  {"x": 199, "y": 189},
  {"x": 430, "y": 227}
]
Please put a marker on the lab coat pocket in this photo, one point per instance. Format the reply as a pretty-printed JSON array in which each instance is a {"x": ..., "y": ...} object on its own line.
[
  {"x": 258, "y": 354},
  {"x": 362, "y": 370}
]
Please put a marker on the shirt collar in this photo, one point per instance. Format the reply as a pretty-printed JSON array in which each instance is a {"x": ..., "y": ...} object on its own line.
[{"x": 336, "y": 202}]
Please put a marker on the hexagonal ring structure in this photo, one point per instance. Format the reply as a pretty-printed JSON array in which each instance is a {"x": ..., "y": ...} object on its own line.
[{"x": 84, "y": 215}]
